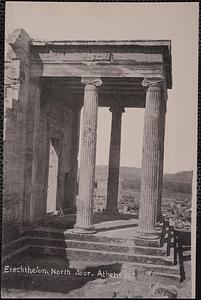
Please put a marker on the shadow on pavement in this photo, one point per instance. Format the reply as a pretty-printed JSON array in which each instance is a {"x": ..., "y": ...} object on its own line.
[{"x": 51, "y": 282}]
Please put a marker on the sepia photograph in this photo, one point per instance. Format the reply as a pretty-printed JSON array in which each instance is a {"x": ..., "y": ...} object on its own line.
[{"x": 100, "y": 150}]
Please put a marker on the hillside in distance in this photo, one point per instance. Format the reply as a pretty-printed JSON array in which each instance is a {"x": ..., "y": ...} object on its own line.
[
  {"x": 135, "y": 174},
  {"x": 125, "y": 172},
  {"x": 180, "y": 182}
]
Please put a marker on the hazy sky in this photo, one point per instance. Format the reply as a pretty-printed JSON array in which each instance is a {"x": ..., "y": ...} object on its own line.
[{"x": 121, "y": 21}]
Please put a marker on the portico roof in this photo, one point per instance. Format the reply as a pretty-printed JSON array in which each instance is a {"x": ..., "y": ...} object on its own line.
[
  {"x": 166, "y": 43},
  {"x": 121, "y": 65},
  {"x": 102, "y": 58}
]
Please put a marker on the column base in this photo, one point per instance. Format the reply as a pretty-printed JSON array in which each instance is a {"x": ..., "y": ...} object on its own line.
[
  {"x": 152, "y": 235},
  {"x": 83, "y": 230}
]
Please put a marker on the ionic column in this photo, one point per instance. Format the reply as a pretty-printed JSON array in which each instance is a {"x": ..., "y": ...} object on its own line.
[
  {"x": 152, "y": 158},
  {"x": 114, "y": 160},
  {"x": 84, "y": 222}
]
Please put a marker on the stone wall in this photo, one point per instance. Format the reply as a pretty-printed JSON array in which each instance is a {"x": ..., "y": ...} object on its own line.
[
  {"x": 16, "y": 114},
  {"x": 30, "y": 121}
]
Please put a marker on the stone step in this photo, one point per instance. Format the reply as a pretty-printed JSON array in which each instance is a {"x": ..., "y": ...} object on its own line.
[
  {"x": 123, "y": 248},
  {"x": 46, "y": 233},
  {"x": 111, "y": 240},
  {"x": 161, "y": 277},
  {"x": 103, "y": 256},
  {"x": 80, "y": 263},
  {"x": 14, "y": 253},
  {"x": 13, "y": 245},
  {"x": 68, "y": 235},
  {"x": 141, "y": 267},
  {"x": 72, "y": 253},
  {"x": 89, "y": 237},
  {"x": 167, "y": 276}
]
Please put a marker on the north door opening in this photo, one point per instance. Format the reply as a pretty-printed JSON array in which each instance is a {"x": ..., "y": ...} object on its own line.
[{"x": 52, "y": 180}]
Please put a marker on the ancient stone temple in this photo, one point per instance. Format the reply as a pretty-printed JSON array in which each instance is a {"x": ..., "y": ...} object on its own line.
[{"x": 47, "y": 84}]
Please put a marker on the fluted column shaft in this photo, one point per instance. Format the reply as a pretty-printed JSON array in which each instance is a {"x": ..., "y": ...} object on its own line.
[
  {"x": 152, "y": 158},
  {"x": 84, "y": 222},
  {"x": 114, "y": 160},
  {"x": 161, "y": 160}
]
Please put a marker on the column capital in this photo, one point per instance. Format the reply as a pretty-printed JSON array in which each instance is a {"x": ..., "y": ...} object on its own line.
[
  {"x": 91, "y": 82},
  {"x": 155, "y": 82},
  {"x": 117, "y": 109}
]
